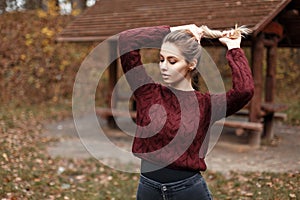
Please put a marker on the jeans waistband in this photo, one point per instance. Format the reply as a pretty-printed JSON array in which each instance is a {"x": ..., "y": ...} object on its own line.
[
  {"x": 171, "y": 186},
  {"x": 164, "y": 174}
]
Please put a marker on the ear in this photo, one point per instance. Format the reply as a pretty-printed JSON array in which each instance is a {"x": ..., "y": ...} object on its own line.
[{"x": 193, "y": 64}]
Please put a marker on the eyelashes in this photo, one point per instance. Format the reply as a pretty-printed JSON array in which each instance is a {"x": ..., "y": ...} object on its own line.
[{"x": 171, "y": 60}]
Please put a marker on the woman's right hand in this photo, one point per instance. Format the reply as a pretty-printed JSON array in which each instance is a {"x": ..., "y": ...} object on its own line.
[{"x": 197, "y": 32}]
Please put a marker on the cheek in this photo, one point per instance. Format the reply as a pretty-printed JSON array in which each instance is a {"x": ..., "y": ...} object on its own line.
[
  {"x": 182, "y": 69},
  {"x": 179, "y": 73}
]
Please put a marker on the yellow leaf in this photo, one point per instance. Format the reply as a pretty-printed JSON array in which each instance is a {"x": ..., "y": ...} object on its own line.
[
  {"x": 41, "y": 70},
  {"x": 45, "y": 42},
  {"x": 76, "y": 12},
  {"x": 27, "y": 36},
  {"x": 28, "y": 42},
  {"x": 47, "y": 32},
  {"x": 23, "y": 57},
  {"x": 41, "y": 14}
]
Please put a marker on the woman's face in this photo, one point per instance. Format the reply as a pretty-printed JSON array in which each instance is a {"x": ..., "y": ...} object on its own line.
[{"x": 173, "y": 67}]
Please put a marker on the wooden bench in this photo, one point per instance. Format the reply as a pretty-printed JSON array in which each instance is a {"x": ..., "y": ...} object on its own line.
[
  {"x": 255, "y": 129},
  {"x": 273, "y": 108},
  {"x": 270, "y": 110},
  {"x": 270, "y": 113},
  {"x": 109, "y": 114},
  {"x": 240, "y": 126},
  {"x": 279, "y": 116}
]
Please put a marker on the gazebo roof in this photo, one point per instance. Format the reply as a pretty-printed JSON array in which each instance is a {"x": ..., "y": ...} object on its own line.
[{"x": 109, "y": 17}]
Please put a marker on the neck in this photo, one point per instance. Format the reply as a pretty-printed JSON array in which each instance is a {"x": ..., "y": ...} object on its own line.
[{"x": 183, "y": 85}]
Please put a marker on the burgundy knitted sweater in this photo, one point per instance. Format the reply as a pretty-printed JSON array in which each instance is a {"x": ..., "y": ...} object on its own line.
[{"x": 173, "y": 124}]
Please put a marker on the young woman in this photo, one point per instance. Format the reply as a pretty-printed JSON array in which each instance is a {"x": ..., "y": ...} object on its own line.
[{"x": 173, "y": 118}]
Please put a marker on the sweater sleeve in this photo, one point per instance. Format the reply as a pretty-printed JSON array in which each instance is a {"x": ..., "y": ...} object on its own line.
[
  {"x": 130, "y": 43},
  {"x": 242, "y": 87}
]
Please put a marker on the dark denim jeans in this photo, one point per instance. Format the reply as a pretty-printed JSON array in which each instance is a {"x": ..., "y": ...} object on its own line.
[{"x": 193, "y": 188}]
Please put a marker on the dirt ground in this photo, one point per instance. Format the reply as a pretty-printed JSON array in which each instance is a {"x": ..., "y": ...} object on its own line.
[{"x": 231, "y": 153}]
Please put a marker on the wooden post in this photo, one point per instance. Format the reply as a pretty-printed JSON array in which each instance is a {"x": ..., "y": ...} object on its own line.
[
  {"x": 270, "y": 87},
  {"x": 255, "y": 105},
  {"x": 113, "y": 77}
]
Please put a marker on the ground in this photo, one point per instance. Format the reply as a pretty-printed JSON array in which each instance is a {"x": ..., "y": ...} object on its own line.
[{"x": 231, "y": 153}]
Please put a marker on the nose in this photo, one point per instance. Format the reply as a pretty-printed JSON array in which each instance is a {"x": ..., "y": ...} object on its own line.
[{"x": 163, "y": 66}]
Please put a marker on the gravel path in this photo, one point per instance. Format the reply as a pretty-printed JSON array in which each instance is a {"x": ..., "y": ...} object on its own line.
[{"x": 230, "y": 153}]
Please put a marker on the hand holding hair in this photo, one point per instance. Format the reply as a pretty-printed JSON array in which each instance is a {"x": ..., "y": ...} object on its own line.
[
  {"x": 197, "y": 32},
  {"x": 236, "y": 32},
  {"x": 230, "y": 38}
]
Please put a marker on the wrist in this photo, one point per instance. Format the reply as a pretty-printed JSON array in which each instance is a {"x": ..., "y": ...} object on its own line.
[
  {"x": 175, "y": 28},
  {"x": 229, "y": 47}
]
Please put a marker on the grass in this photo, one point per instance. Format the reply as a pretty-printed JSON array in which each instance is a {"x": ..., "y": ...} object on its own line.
[
  {"x": 256, "y": 185},
  {"x": 293, "y": 113},
  {"x": 28, "y": 172}
]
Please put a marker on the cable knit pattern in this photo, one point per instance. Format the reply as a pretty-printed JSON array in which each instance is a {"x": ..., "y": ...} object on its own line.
[{"x": 172, "y": 124}]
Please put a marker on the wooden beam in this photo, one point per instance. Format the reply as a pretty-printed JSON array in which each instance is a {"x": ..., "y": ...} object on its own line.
[
  {"x": 257, "y": 62},
  {"x": 241, "y": 124},
  {"x": 255, "y": 105},
  {"x": 269, "y": 42},
  {"x": 271, "y": 71},
  {"x": 111, "y": 101},
  {"x": 270, "y": 87}
]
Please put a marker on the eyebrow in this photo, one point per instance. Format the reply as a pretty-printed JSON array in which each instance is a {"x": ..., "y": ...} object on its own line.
[{"x": 168, "y": 57}]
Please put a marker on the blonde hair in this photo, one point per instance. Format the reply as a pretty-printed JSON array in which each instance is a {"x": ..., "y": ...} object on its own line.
[
  {"x": 209, "y": 33},
  {"x": 190, "y": 48}
]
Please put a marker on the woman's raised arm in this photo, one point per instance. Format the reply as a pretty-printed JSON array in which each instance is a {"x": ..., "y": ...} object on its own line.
[{"x": 130, "y": 43}]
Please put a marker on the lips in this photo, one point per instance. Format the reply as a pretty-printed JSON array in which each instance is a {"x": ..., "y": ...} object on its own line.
[{"x": 165, "y": 75}]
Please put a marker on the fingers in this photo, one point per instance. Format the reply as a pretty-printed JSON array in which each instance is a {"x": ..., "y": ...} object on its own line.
[
  {"x": 232, "y": 34},
  {"x": 231, "y": 39},
  {"x": 197, "y": 32}
]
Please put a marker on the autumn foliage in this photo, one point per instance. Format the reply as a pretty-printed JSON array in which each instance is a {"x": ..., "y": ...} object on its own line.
[{"x": 33, "y": 66}]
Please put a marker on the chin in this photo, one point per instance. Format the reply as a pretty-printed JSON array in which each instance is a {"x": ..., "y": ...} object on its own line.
[{"x": 167, "y": 82}]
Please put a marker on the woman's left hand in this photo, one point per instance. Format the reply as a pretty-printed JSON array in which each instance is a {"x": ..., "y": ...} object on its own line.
[{"x": 232, "y": 39}]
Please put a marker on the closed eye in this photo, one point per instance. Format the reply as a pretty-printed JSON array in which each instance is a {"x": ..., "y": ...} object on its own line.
[
  {"x": 161, "y": 59},
  {"x": 172, "y": 60}
]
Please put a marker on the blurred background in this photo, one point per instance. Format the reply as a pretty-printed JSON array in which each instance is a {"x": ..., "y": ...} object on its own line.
[{"x": 37, "y": 74}]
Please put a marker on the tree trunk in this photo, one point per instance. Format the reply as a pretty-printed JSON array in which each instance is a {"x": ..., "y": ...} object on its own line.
[
  {"x": 33, "y": 4},
  {"x": 44, "y": 5},
  {"x": 3, "y": 6}
]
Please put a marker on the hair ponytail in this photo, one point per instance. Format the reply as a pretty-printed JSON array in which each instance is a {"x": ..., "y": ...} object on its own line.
[{"x": 209, "y": 33}]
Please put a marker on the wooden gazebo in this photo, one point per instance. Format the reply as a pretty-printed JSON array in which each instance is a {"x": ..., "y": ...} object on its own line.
[{"x": 275, "y": 23}]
